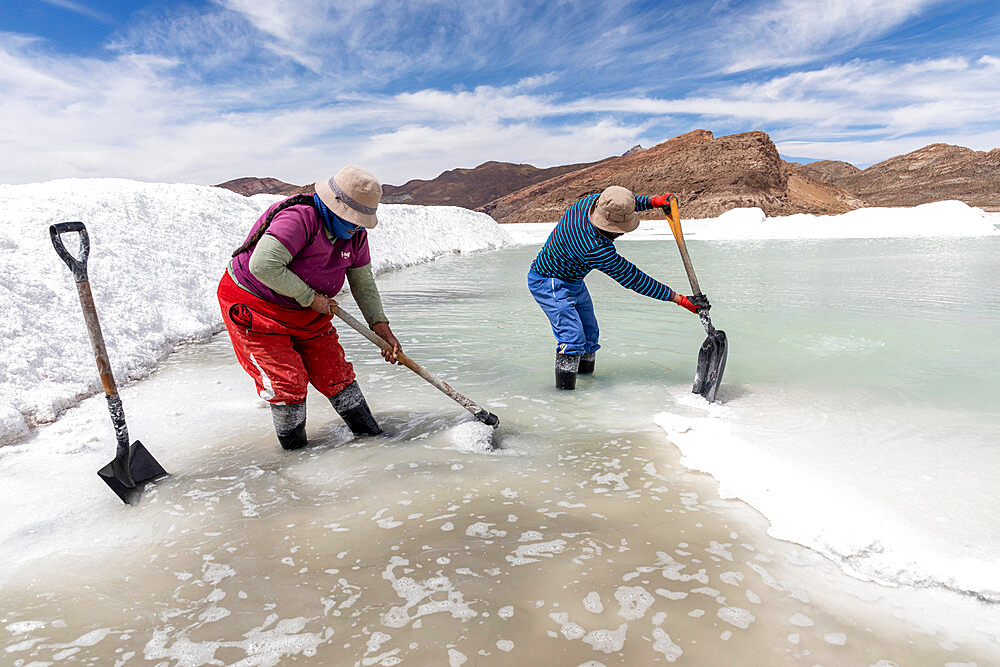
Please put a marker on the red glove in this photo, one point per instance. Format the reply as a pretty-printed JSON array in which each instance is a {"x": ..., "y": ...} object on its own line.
[
  {"x": 660, "y": 201},
  {"x": 684, "y": 302}
]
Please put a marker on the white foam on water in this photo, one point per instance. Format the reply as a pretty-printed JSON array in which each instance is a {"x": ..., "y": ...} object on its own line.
[
  {"x": 264, "y": 645},
  {"x": 633, "y": 602},
  {"x": 801, "y": 620},
  {"x": 484, "y": 530},
  {"x": 607, "y": 641},
  {"x": 530, "y": 553},
  {"x": 433, "y": 595},
  {"x": 663, "y": 644},
  {"x": 737, "y": 616},
  {"x": 24, "y": 627},
  {"x": 568, "y": 628},
  {"x": 592, "y": 603}
]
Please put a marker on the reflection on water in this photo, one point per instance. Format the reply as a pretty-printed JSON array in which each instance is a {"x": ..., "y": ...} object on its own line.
[{"x": 581, "y": 539}]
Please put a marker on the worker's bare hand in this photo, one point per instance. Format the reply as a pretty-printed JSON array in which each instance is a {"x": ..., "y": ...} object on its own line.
[
  {"x": 323, "y": 304},
  {"x": 383, "y": 330}
]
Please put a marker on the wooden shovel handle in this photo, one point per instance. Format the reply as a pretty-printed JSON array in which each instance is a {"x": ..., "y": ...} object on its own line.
[
  {"x": 482, "y": 414},
  {"x": 674, "y": 218}
]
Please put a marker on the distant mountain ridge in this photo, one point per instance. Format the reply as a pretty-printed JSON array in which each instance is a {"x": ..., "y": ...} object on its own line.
[
  {"x": 472, "y": 188},
  {"x": 709, "y": 174},
  {"x": 251, "y": 185},
  {"x": 931, "y": 173}
]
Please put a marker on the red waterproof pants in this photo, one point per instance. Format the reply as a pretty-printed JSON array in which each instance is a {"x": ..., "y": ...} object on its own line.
[{"x": 283, "y": 349}]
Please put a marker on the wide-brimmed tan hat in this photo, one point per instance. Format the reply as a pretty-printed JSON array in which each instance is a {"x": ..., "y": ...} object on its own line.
[
  {"x": 615, "y": 211},
  {"x": 353, "y": 194}
]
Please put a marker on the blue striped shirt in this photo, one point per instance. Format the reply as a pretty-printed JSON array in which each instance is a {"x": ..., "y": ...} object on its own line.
[{"x": 575, "y": 247}]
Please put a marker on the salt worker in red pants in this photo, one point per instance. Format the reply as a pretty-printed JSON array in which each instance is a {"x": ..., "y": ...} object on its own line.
[{"x": 276, "y": 301}]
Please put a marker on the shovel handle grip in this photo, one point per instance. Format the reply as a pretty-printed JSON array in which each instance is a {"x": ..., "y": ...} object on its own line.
[
  {"x": 78, "y": 265},
  {"x": 674, "y": 219}
]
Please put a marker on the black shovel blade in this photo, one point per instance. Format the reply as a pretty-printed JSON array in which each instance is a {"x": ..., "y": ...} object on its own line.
[
  {"x": 126, "y": 477},
  {"x": 711, "y": 365}
]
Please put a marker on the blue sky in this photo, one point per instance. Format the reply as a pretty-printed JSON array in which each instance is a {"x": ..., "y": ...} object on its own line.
[{"x": 206, "y": 91}]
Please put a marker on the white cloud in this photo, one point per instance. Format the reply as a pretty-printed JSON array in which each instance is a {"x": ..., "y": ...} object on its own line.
[
  {"x": 429, "y": 150},
  {"x": 82, "y": 9},
  {"x": 794, "y": 32},
  {"x": 865, "y": 152}
]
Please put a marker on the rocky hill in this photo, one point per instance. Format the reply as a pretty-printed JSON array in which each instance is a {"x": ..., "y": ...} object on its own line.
[
  {"x": 826, "y": 171},
  {"x": 472, "y": 188},
  {"x": 931, "y": 173},
  {"x": 250, "y": 186},
  {"x": 709, "y": 175}
]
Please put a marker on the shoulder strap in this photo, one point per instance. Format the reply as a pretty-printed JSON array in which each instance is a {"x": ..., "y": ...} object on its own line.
[{"x": 297, "y": 200}]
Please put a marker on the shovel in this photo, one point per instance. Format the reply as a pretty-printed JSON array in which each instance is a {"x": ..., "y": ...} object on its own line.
[
  {"x": 132, "y": 465},
  {"x": 715, "y": 349},
  {"x": 481, "y": 414}
]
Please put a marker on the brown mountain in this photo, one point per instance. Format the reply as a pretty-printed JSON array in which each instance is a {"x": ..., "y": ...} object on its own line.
[
  {"x": 472, "y": 188},
  {"x": 254, "y": 186},
  {"x": 931, "y": 173},
  {"x": 826, "y": 171},
  {"x": 709, "y": 175}
]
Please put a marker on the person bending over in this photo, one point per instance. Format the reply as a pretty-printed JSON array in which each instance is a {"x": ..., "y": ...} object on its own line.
[
  {"x": 582, "y": 241},
  {"x": 276, "y": 300}
]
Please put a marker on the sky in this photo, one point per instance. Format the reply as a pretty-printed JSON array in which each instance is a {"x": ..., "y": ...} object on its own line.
[{"x": 207, "y": 91}]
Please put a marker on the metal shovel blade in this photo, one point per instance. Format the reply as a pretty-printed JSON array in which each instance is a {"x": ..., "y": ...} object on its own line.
[
  {"x": 126, "y": 475},
  {"x": 711, "y": 365}
]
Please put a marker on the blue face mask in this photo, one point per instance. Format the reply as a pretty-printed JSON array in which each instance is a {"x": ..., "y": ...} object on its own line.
[{"x": 333, "y": 223}]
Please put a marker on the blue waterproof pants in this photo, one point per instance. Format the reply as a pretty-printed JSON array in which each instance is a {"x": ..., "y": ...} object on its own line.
[{"x": 570, "y": 311}]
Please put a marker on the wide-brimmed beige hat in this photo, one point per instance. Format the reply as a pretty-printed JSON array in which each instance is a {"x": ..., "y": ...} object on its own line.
[
  {"x": 615, "y": 211},
  {"x": 353, "y": 194}
]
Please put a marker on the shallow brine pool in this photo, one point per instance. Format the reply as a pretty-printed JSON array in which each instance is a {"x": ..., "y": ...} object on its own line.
[{"x": 857, "y": 413}]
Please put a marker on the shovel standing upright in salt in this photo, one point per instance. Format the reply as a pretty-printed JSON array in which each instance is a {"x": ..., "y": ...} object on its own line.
[{"x": 133, "y": 465}]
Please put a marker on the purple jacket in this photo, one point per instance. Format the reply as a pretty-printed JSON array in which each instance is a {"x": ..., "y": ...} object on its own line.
[{"x": 320, "y": 262}]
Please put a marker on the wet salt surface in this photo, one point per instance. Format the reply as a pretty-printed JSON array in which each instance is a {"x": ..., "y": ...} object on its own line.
[{"x": 582, "y": 541}]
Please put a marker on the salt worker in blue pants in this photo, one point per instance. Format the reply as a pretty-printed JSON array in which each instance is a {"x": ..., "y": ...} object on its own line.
[{"x": 584, "y": 240}]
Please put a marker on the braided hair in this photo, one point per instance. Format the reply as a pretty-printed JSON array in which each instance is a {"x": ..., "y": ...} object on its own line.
[{"x": 297, "y": 200}]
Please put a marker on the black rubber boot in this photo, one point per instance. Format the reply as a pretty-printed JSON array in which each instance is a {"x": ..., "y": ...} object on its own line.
[
  {"x": 566, "y": 369},
  {"x": 587, "y": 362},
  {"x": 290, "y": 425},
  {"x": 352, "y": 407}
]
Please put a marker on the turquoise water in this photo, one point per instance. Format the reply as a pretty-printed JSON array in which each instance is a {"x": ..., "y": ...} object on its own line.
[{"x": 861, "y": 397}]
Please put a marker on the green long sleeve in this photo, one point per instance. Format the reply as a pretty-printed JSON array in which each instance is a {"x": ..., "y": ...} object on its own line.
[
  {"x": 269, "y": 264},
  {"x": 366, "y": 294}
]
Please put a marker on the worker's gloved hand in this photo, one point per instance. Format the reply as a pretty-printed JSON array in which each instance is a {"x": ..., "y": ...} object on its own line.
[
  {"x": 684, "y": 302},
  {"x": 660, "y": 201},
  {"x": 700, "y": 301}
]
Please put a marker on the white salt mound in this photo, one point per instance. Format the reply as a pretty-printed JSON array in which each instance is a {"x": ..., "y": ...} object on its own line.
[{"x": 472, "y": 437}]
